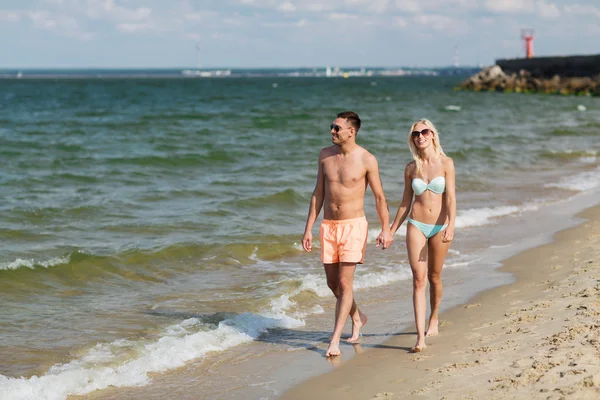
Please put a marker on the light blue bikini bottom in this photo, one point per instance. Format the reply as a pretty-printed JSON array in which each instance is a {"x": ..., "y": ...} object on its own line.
[{"x": 428, "y": 230}]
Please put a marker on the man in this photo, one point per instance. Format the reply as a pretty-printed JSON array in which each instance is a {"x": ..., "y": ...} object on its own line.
[{"x": 345, "y": 170}]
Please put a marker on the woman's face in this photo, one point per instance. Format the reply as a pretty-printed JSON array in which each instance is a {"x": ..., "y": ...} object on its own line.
[{"x": 422, "y": 136}]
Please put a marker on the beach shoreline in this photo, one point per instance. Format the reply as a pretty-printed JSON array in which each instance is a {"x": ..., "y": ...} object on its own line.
[{"x": 537, "y": 337}]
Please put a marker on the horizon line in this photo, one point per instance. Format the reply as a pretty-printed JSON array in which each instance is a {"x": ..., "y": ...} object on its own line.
[{"x": 231, "y": 68}]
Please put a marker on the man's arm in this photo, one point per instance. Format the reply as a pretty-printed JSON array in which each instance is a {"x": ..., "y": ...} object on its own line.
[
  {"x": 385, "y": 237},
  {"x": 316, "y": 203},
  {"x": 404, "y": 207},
  {"x": 450, "y": 195}
]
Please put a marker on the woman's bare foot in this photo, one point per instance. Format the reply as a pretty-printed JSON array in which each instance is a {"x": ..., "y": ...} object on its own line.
[
  {"x": 419, "y": 346},
  {"x": 333, "y": 350},
  {"x": 433, "y": 328},
  {"x": 417, "y": 349},
  {"x": 356, "y": 325}
]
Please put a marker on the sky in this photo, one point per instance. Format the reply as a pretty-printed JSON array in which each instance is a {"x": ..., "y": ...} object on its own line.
[{"x": 288, "y": 33}]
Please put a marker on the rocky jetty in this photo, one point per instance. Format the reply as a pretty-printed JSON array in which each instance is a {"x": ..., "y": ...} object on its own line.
[{"x": 495, "y": 79}]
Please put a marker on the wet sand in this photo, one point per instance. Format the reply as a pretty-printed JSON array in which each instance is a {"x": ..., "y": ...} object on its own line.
[{"x": 536, "y": 338}]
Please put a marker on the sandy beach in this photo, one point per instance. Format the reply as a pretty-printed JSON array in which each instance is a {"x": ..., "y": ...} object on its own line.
[{"x": 536, "y": 338}]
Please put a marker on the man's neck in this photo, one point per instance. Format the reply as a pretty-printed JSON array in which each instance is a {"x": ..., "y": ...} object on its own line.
[{"x": 347, "y": 148}]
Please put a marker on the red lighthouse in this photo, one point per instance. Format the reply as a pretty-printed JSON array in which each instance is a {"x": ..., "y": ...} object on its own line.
[{"x": 527, "y": 36}]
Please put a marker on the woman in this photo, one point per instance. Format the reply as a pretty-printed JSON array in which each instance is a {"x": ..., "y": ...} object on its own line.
[{"x": 430, "y": 229}]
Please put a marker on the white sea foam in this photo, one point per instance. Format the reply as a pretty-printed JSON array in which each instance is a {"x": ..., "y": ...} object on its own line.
[
  {"x": 484, "y": 216},
  {"x": 128, "y": 363},
  {"x": 31, "y": 263},
  {"x": 582, "y": 182},
  {"x": 318, "y": 283},
  {"x": 452, "y": 107},
  {"x": 469, "y": 218}
]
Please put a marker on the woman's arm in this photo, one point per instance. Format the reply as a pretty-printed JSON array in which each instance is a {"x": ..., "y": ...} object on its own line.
[
  {"x": 450, "y": 198},
  {"x": 407, "y": 197}
]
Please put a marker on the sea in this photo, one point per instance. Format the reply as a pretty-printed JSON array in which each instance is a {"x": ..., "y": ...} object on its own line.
[{"x": 150, "y": 225}]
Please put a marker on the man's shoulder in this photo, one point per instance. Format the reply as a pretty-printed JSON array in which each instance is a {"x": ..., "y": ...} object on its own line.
[{"x": 329, "y": 150}]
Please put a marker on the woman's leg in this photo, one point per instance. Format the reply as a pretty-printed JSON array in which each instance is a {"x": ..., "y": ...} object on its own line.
[
  {"x": 416, "y": 246},
  {"x": 436, "y": 255}
]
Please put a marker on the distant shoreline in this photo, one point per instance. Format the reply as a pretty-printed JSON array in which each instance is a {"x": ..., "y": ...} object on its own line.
[{"x": 116, "y": 73}]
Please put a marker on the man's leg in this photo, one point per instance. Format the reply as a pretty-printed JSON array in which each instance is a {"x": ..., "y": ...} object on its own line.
[
  {"x": 343, "y": 307},
  {"x": 333, "y": 282},
  {"x": 437, "y": 254}
]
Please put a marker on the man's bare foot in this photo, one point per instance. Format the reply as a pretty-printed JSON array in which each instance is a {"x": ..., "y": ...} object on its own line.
[
  {"x": 356, "y": 325},
  {"x": 433, "y": 328},
  {"x": 333, "y": 350},
  {"x": 419, "y": 346}
]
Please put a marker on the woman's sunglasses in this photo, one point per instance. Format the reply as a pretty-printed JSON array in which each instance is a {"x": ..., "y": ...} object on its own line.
[{"x": 425, "y": 132}]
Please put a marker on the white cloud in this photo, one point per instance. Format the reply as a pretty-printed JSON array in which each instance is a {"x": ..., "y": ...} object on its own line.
[
  {"x": 439, "y": 22},
  {"x": 108, "y": 9},
  {"x": 133, "y": 27},
  {"x": 10, "y": 16},
  {"x": 287, "y": 7},
  {"x": 316, "y": 7},
  {"x": 401, "y": 22},
  {"x": 200, "y": 15},
  {"x": 342, "y": 17},
  {"x": 577, "y": 9},
  {"x": 546, "y": 10},
  {"x": 509, "y": 6},
  {"x": 59, "y": 24},
  {"x": 410, "y": 6},
  {"x": 378, "y": 6}
]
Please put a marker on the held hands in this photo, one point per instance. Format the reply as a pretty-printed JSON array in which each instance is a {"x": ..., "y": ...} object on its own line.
[
  {"x": 385, "y": 239},
  {"x": 307, "y": 241},
  {"x": 448, "y": 234}
]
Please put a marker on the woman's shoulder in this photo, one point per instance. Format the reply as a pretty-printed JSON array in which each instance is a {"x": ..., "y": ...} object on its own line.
[{"x": 447, "y": 161}]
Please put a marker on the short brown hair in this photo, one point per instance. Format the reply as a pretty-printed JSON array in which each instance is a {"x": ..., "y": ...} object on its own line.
[{"x": 352, "y": 118}]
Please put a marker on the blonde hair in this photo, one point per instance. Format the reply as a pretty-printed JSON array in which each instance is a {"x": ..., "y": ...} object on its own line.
[{"x": 437, "y": 146}]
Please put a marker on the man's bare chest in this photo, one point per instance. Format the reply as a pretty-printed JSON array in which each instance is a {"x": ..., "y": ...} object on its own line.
[{"x": 346, "y": 173}]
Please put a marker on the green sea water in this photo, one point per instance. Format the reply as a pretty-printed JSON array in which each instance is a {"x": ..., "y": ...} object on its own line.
[{"x": 140, "y": 215}]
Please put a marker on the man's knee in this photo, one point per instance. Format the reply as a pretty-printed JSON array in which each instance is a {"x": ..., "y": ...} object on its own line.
[
  {"x": 334, "y": 286},
  {"x": 346, "y": 284}
]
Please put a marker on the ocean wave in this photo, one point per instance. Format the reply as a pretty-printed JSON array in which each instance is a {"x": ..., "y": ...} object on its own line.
[
  {"x": 123, "y": 363},
  {"x": 468, "y": 218},
  {"x": 32, "y": 264},
  {"x": 209, "y": 157},
  {"x": 318, "y": 283},
  {"x": 582, "y": 182},
  {"x": 566, "y": 155},
  {"x": 285, "y": 199},
  {"x": 484, "y": 216}
]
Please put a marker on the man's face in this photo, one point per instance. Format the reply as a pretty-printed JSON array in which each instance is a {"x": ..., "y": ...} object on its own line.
[{"x": 341, "y": 131}]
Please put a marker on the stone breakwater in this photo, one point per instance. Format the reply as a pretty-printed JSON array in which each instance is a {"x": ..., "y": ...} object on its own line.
[{"x": 524, "y": 81}]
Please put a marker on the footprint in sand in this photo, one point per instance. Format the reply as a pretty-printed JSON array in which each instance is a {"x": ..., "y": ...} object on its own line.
[
  {"x": 383, "y": 394},
  {"x": 473, "y": 305},
  {"x": 472, "y": 336}
]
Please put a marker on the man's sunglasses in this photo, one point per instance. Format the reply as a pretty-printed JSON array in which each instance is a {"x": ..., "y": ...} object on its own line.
[
  {"x": 336, "y": 128},
  {"x": 425, "y": 132}
]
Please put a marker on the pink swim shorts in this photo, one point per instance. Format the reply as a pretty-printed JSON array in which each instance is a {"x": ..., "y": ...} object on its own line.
[{"x": 344, "y": 240}]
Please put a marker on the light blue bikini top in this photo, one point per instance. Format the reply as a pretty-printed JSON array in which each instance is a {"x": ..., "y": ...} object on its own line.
[{"x": 436, "y": 185}]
